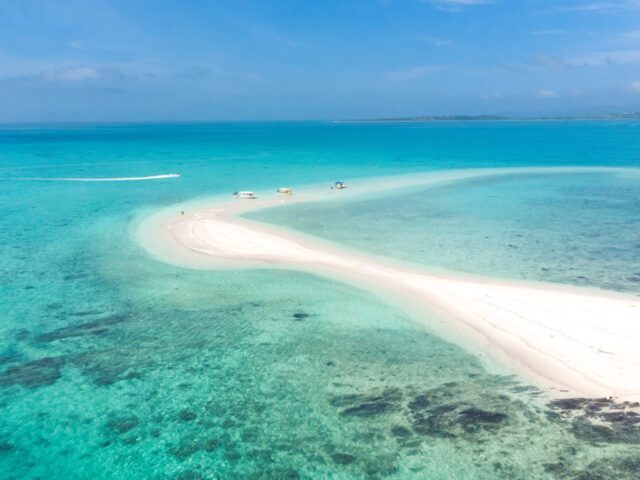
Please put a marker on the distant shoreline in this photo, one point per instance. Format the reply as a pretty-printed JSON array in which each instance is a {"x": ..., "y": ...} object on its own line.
[
  {"x": 415, "y": 119},
  {"x": 494, "y": 118}
]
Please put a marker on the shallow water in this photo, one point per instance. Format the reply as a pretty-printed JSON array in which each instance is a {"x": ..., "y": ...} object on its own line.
[{"x": 114, "y": 365}]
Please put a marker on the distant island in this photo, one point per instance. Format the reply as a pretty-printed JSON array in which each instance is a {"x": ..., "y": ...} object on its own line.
[{"x": 492, "y": 118}]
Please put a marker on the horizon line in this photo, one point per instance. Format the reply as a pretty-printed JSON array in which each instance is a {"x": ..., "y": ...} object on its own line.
[{"x": 629, "y": 115}]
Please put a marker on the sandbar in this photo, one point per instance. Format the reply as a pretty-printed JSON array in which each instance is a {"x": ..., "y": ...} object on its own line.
[{"x": 570, "y": 341}]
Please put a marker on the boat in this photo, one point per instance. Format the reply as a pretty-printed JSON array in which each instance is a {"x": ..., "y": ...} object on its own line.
[
  {"x": 340, "y": 185},
  {"x": 285, "y": 191},
  {"x": 245, "y": 194}
]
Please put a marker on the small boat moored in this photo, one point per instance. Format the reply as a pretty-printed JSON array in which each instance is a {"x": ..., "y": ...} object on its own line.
[
  {"x": 247, "y": 195},
  {"x": 340, "y": 185},
  {"x": 284, "y": 191}
]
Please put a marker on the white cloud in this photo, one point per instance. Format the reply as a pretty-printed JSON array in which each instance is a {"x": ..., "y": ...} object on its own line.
[
  {"x": 635, "y": 86},
  {"x": 608, "y": 58},
  {"x": 455, "y": 5},
  {"x": 552, "y": 31},
  {"x": 72, "y": 74},
  {"x": 412, "y": 73},
  {"x": 594, "y": 7},
  {"x": 547, "y": 94},
  {"x": 66, "y": 75},
  {"x": 492, "y": 96},
  {"x": 462, "y": 2},
  {"x": 595, "y": 59},
  {"x": 193, "y": 72},
  {"x": 438, "y": 42},
  {"x": 620, "y": 6}
]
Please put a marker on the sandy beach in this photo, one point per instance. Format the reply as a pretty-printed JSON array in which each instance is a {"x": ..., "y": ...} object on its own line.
[{"x": 568, "y": 340}]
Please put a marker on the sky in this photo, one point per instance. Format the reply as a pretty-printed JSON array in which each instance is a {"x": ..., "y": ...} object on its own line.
[{"x": 192, "y": 60}]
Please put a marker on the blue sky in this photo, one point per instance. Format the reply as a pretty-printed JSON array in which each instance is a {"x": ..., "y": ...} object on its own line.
[{"x": 72, "y": 60}]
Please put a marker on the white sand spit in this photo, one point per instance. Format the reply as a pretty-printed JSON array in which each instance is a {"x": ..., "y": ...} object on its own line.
[{"x": 570, "y": 340}]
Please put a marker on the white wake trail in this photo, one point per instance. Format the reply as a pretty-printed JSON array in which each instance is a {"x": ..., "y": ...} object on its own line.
[{"x": 82, "y": 179}]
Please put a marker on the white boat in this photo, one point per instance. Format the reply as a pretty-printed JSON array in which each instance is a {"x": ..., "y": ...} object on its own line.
[
  {"x": 340, "y": 185},
  {"x": 285, "y": 191},
  {"x": 246, "y": 194}
]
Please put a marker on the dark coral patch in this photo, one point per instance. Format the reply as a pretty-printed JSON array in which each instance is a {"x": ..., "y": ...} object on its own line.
[
  {"x": 95, "y": 327},
  {"x": 600, "y": 420},
  {"x": 618, "y": 428},
  {"x": 400, "y": 431},
  {"x": 359, "y": 405},
  {"x": 185, "y": 449},
  {"x": 106, "y": 367},
  {"x": 211, "y": 444},
  {"x": 436, "y": 413},
  {"x": 232, "y": 455},
  {"x": 275, "y": 474},
  {"x": 620, "y": 468},
  {"x": 474, "y": 419},
  {"x": 8, "y": 357},
  {"x": 122, "y": 424},
  {"x": 368, "y": 409},
  {"x": 37, "y": 373},
  {"x": 190, "y": 475},
  {"x": 343, "y": 458},
  {"x": 130, "y": 440},
  {"x": 5, "y": 447},
  {"x": 186, "y": 415}
]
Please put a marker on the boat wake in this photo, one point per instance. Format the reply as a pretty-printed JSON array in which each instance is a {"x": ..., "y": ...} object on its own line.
[{"x": 83, "y": 179}]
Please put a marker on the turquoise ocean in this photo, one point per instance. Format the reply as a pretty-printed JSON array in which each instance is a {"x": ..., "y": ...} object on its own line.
[{"x": 114, "y": 365}]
